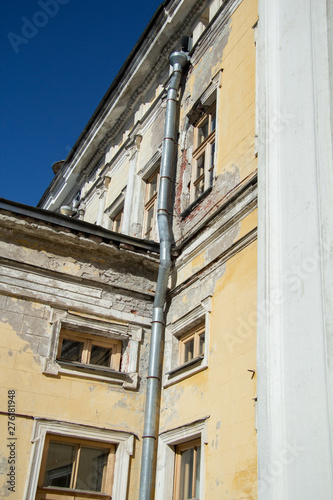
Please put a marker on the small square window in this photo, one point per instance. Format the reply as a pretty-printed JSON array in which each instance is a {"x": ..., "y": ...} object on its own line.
[
  {"x": 192, "y": 344},
  {"x": 89, "y": 350}
]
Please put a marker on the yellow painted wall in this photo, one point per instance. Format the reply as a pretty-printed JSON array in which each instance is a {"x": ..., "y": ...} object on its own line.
[
  {"x": 225, "y": 392},
  {"x": 237, "y": 94},
  {"x": 64, "y": 398}
]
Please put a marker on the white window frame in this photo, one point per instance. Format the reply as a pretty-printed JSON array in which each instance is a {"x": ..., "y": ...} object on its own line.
[
  {"x": 166, "y": 452},
  {"x": 124, "y": 442},
  {"x": 127, "y": 333},
  {"x": 174, "y": 372}
]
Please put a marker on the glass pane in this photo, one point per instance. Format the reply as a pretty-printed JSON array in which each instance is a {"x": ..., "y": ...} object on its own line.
[
  {"x": 200, "y": 165},
  {"x": 199, "y": 188},
  {"x": 59, "y": 465},
  {"x": 202, "y": 343},
  {"x": 149, "y": 223},
  {"x": 92, "y": 469},
  {"x": 71, "y": 350},
  {"x": 197, "y": 472},
  {"x": 188, "y": 350},
  {"x": 186, "y": 475},
  {"x": 213, "y": 121},
  {"x": 100, "y": 356},
  {"x": 152, "y": 187},
  {"x": 203, "y": 132}
]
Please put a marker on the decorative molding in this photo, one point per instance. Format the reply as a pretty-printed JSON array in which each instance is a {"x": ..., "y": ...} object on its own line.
[
  {"x": 124, "y": 450},
  {"x": 166, "y": 455},
  {"x": 151, "y": 165},
  {"x": 128, "y": 333},
  {"x": 174, "y": 331}
]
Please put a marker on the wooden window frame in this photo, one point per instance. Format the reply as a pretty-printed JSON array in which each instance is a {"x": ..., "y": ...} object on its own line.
[
  {"x": 207, "y": 149},
  {"x": 194, "y": 334},
  {"x": 151, "y": 203},
  {"x": 178, "y": 455},
  {"x": 88, "y": 340},
  {"x": 55, "y": 493}
]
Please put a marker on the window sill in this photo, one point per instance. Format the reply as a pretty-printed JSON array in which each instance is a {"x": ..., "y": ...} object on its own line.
[
  {"x": 196, "y": 202},
  {"x": 53, "y": 492},
  {"x": 102, "y": 373},
  {"x": 188, "y": 369}
]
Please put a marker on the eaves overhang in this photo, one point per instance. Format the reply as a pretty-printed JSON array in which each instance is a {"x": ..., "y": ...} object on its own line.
[{"x": 79, "y": 226}]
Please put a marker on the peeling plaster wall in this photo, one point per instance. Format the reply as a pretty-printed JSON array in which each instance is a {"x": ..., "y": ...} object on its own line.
[
  {"x": 38, "y": 277},
  {"x": 217, "y": 259},
  {"x": 226, "y": 52}
]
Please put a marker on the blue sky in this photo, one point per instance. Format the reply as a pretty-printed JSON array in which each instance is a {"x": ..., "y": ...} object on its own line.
[{"x": 58, "y": 58}]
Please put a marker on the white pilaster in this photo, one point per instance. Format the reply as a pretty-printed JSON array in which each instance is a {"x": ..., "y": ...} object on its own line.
[
  {"x": 128, "y": 206},
  {"x": 295, "y": 309}
]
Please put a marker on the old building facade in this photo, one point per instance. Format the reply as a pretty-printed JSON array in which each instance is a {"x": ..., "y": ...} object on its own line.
[{"x": 80, "y": 276}]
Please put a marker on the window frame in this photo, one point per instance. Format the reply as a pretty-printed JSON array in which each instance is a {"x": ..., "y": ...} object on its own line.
[
  {"x": 194, "y": 334},
  {"x": 123, "y": 441},
  {"x": 166, "y": 454},
  {"x": 130, "y": 335},
  {"x": 191, "y": 322},
  {"x": 88, "y": 341},
  {"x": 179, "y": 449},
  {"x": 204, "y": 149},
  {"x": 151, "y": 204},
  {"x": 73, "y": 492},
  {"x": 117, "y": 221}
]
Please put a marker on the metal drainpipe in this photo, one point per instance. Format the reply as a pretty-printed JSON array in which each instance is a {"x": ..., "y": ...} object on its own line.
[{"x": 178, "y": 61}]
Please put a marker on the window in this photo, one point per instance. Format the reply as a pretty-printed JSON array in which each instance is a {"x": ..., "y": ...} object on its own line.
[
  {"x": 151, "y": 206},
  {"x": 82, "y": 456},
  {"x": 192, "y": 344},
  {"x": 187, "y": 344},
  {"x": 203, "y": 153},
  {"x": 117, "y": 221},
  {"x": 72, "y": 466},
  {"x": 187, "y": 471},
  {"x": 88, "y": 349},
  {"x": 182, "y": 452}
]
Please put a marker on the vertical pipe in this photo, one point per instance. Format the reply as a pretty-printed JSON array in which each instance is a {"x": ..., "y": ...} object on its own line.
[{"x": 178, "y": 61}]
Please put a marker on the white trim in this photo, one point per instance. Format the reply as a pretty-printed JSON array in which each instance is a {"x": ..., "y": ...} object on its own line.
[
  {"x": 166, "y": 456},
  {"x": 200, "y": 313},
  {"x": 125, "y": 332},
  {"x": 124, "y": 450}
]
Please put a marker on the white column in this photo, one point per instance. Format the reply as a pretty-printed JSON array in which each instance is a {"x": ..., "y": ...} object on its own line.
[{"x": 295, "y": 274}]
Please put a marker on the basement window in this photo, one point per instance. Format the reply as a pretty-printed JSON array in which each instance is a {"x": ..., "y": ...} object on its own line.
[{"x": 88, "y": 349}]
